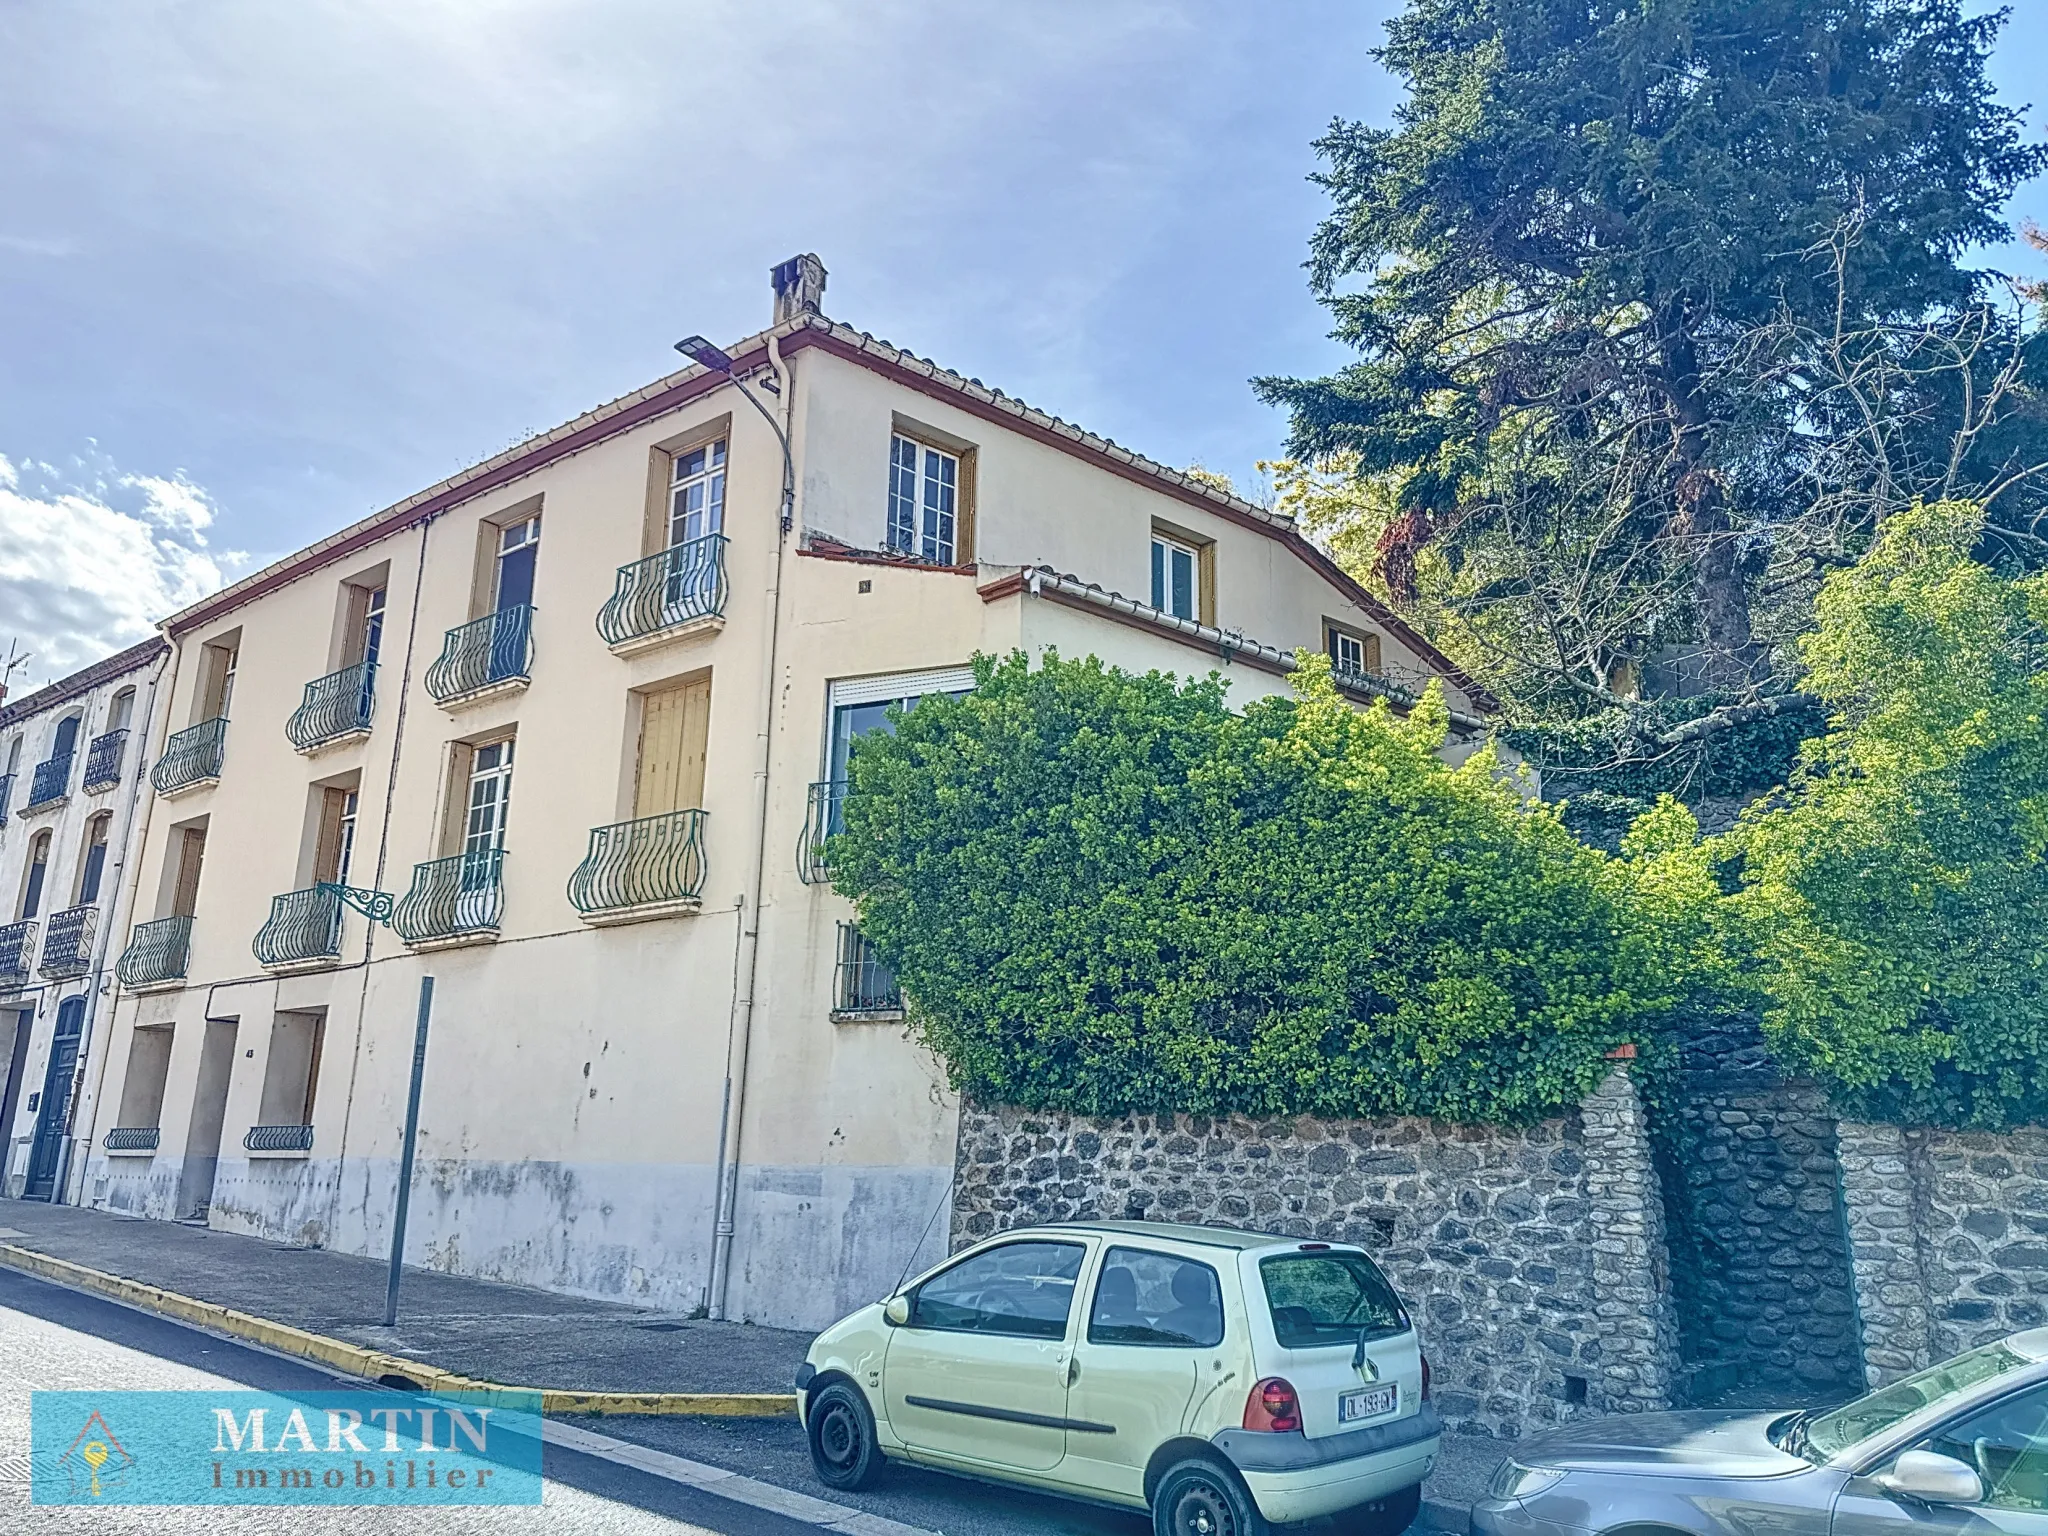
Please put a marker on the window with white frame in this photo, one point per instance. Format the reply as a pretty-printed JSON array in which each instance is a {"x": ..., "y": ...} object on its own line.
[
  {"x": 1353, "y": 653},
  {"x": 924, "y": 500},
  {"x": 490, "y": 797},
  {"x": 518, "y": 548},
  {"x": 696, "y": 500},
  {"x": 1176, "y": 570}
]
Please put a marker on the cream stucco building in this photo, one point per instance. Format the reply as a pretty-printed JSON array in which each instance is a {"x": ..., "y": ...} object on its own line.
[{"x": 566, "y": 725}]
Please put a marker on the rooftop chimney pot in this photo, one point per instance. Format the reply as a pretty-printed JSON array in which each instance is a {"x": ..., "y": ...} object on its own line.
[{"x": 799, "y": 287}]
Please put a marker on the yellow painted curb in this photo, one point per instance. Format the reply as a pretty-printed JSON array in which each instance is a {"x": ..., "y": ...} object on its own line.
[{"x": 372, "y": 1365}]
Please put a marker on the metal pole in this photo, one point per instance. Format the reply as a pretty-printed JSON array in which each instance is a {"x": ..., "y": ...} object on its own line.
[{"x": 412, "y": 1125}]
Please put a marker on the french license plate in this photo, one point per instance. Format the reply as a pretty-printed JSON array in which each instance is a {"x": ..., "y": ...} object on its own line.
[{"x": 1367, "y": 1402}]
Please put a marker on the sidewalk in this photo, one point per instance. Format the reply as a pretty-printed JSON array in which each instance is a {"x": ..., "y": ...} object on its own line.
[{"x": 505, "y": 1333}]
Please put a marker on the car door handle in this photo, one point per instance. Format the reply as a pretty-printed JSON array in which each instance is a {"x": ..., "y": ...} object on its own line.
[{"x": 1073, "y": 1370}]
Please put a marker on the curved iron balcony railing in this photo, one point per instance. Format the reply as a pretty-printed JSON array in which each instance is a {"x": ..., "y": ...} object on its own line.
[
  {"x": 67, "y": 942},
  {"x": 103, "y": 759},
  {"x": 6, "y": 796},
  {"x": 157, "y": 951},
  {"x": 50, "y": 782},
  {"x": 17, "y": 942},
  {"x": 680, "y": 584},
  {"x": 191, "y": 756},
  {"x": 131, "y": 1138},
  {"x": 334, "y": 705},
  {"x": 303, "y": 926},
  {"x": 496, "y": 648},
  {"x": 279, "y": 1138},
  {"x": 452, "y": 896},
  {"x": 824, "y": 815},
  {"x": 644, "y": 863}
]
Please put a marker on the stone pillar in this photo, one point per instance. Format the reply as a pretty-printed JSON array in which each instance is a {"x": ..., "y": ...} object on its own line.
[
  {"x": 1884, "y": 1249},
  {"x": 1631, "y": 1264}
]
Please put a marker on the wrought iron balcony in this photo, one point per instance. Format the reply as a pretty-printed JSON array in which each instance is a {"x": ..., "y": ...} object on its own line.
[
  {"x": 861, "y": 985},
  {"x": 497, "y": 648},
  {"x": 67, "y": 943},
  {"x": 157, "y": 951},
  {"x": 334, "y": 706},
  {"x": 676, "y": 587},
  {"x": 824, "y": 815},
  {"x": 131, "y": 1138},
  {"x": 192, "y": 756},
  {"x": 50, "y": 782},
  {"x": 304, "y": 926},
  {"x": 452, "y": 897},
  {"x": 279, "y": 1138},
  {"x": 655, "y": 862},
  {"x": 103, "y": 760},
  {"x": 6, "y": 796},
  {"x": 17, "y": 943}
]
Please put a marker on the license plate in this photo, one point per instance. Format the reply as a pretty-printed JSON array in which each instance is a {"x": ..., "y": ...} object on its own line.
[{"x": 1367, "y": 1403}]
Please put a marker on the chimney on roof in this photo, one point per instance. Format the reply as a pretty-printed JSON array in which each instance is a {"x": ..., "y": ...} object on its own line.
[{"x": 799, "y": 287}]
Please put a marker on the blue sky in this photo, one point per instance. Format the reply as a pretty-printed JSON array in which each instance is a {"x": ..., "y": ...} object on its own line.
[{"x": 266, "y": 268}]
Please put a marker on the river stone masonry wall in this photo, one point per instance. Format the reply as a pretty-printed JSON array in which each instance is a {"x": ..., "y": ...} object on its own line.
[
  {"x": 1948, "y": 1233},
  {"x": 1533, "y": 1257}
]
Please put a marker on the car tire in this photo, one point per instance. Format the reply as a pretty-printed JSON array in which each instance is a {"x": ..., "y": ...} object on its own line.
[
  {"x": 1389, "y": 1516},
  {"x": 841, "y": 1432},
  {"x": 1198, "y": 1497}
]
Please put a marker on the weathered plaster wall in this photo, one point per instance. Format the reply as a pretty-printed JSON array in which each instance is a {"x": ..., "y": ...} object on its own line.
[
  {"x": 1949, "y": 1235},
  {"x": 1532, "y": 1257}
]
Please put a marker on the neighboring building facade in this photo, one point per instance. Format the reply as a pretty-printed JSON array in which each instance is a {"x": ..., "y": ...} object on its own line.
[
  {"x": 568, "y": 724},
  {"x": 71, "y": 767}
]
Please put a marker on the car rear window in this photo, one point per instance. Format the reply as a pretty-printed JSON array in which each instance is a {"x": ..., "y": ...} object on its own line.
[{"x": 1329, "y": 1298}]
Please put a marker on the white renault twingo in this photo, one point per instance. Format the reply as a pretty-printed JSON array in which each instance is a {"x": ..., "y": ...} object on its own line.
[{"x": 1222, "y": 1379}]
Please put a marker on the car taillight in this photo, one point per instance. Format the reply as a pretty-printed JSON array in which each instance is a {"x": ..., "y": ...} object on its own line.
[
  {"x": 1273, "y": 1407},
  {"x": 1425, "y": 1378}
]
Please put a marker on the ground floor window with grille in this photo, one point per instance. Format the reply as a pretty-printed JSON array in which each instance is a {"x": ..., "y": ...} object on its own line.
[{"x": 863, "y": 987}]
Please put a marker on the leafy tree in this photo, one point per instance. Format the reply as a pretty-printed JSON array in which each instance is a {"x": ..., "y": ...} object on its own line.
[
  {"x": 1897, "y": 893},
  {"x": 1661, "y": 310},
  {"x": 1107, "y": 892}
]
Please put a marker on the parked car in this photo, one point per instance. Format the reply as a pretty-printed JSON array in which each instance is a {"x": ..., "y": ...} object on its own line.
[
  {"x": 1222, "y": 1379},
  {"x": 1960, "y": 1447}
]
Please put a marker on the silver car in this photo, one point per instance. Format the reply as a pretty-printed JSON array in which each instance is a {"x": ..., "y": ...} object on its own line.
[{"x": 1959, "y": 1447}]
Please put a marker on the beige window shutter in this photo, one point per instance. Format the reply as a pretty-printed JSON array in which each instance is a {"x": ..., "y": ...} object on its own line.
[
  {"x": 675, "y": 724},
  {"x": 191, "y": 854},
  {"x": 327, "y": 854}
]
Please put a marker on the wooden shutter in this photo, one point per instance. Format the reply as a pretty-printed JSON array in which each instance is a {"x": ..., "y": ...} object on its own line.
[
  {"x": 674, "y": 725},
  {"x": 191, "y": 854},
  {"x": 327, "y": 852},
  {"x": 1372, "y": 654}
]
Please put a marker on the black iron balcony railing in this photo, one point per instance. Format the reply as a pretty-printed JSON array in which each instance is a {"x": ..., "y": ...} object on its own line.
[
  {"x": 103, "y": 759},
  {"x": 861, "y": 984},
  {"x": 334, "y": 706},
  {"x": 824, "y": 814},
  {"x": 650, "y": 862},
  {"x": 279, "y": 1138},
  {"x": 304, "y": 926},
  {"x": 191, "y": 756},
  {"x": 6, "y": 796},
  {"x": 157, "y": 951},
  {"x": 677, "y": 586},
  {"x": 50, "y": 782},
  {"x": 67, "y": 942},
  {"x": 131, "y": 1138},
  {"x": 451, "y": 897},
  {"x": 496, "y": 648},
  {"x": 17, "y": 943}
]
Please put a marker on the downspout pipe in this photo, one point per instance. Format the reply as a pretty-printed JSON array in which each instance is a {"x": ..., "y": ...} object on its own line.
[{"x": 739, "y": 1037}]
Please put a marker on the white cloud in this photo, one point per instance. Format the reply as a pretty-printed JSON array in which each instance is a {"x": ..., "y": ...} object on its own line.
[{"x": 91, "y": 559}]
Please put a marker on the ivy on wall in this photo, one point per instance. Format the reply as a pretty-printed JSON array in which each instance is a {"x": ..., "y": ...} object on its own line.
[{"x": 1106, "y": 893}]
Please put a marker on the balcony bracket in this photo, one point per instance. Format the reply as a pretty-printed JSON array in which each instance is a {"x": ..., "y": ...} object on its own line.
[{"x": 375, "y": 905}]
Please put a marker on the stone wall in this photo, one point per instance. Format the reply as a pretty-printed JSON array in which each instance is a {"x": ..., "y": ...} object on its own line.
[
  {"x": 1534, "y": 1258},
  {"x": 1948, "y": 1231},
  {"x": 1760, "y": 1265}
]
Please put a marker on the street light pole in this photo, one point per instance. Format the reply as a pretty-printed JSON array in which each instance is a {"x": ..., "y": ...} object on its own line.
[
  {"x": 412, "y": 1126},
  {"x": 700, "y": 351}
]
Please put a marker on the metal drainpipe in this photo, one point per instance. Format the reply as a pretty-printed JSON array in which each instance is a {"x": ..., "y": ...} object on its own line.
[
  {"x": 739, "y": 1034},
  {"x": 131, "y": 842}
]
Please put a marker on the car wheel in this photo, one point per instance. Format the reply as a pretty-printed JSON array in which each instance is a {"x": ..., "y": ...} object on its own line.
[
  {"x": 841, "y": 1431},
  {"x": 1389, "y": 1516},
  {"x": 1199, "y": 1498}
]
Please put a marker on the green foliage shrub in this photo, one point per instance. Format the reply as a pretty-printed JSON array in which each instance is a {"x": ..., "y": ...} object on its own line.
[{"x": 1105, "y": 893}]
